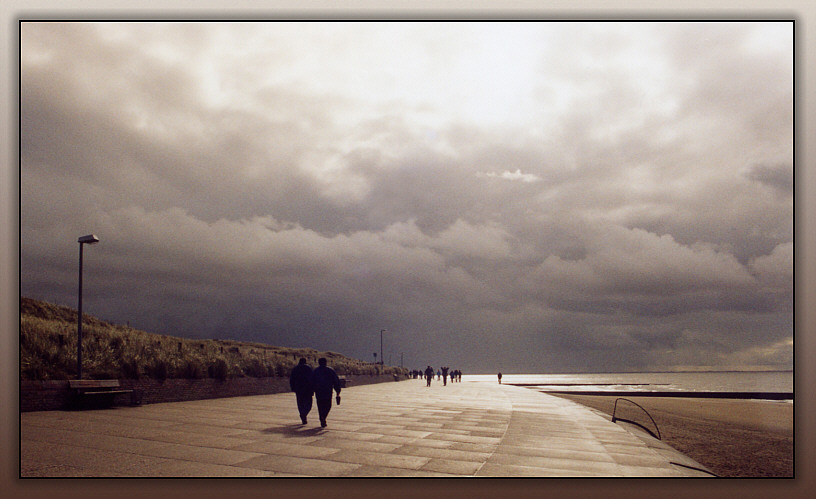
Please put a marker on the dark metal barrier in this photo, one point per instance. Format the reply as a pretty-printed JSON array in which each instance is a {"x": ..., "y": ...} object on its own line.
[{"x": 615, "y": 418}]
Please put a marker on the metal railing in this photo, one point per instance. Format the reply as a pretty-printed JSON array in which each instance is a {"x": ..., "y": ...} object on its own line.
[{"x": 615, "y": 418}]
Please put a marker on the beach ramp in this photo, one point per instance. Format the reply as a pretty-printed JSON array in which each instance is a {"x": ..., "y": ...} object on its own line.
[{"x": 400, "y": 429}]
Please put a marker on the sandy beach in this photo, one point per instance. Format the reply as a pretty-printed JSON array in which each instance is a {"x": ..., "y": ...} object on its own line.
[{"x": 733, "y": 438}]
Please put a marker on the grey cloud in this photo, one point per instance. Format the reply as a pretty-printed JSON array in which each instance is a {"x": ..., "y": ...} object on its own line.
[
  {"x": 233, "y": 204},
  {"x": 777, "y": 267},
  {"x": 779, "y": 177},
  {"x": 635, "y": 261}
]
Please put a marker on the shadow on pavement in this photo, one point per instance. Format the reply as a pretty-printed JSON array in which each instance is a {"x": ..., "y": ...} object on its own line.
[{"x": 295, "y": 430}]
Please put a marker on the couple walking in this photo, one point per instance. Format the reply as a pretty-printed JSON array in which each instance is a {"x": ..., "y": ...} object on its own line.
[{"x": 321, "y": 381}]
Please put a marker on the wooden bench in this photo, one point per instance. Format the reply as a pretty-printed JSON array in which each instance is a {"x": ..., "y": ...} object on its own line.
[{"x": 102, "y": 391}]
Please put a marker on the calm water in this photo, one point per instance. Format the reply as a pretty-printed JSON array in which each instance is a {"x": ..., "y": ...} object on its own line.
[{"x": 774, "y": 381}]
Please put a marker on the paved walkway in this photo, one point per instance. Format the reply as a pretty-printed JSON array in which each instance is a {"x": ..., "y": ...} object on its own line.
[{"x": 390, "y": 429}]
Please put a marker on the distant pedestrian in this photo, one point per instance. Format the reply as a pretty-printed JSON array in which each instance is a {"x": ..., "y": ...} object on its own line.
[
  {"x": 428, "y": 375},
  {"x": 300, "y": 381},
  {"x": 438, "y": 374},
  {"x": 499, "y": 378},
  {"x": 445, "y": 376},
  {"x": 324, "y": 380},
  {"x": 458, "y": 375}
]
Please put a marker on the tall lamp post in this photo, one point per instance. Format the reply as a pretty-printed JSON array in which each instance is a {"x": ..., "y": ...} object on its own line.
[
  {"x": 89, "y": 239},
  {"x": 381, "y": 349}
]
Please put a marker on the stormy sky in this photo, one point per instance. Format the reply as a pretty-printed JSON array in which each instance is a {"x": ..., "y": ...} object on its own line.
[{"x": 524, "y": 197}]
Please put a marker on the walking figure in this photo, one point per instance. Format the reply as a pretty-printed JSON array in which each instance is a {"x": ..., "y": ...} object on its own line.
[
  {"x": 300, "y": 381},
  {"x": 445, "y": 376},
  {"x": 428, "y": 375},
  {"x": 324, "y": 380},
  {"x": 499, "y": 378}
]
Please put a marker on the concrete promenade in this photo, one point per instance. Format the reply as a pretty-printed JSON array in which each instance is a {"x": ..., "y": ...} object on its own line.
[{"x": 404, "y": 429}]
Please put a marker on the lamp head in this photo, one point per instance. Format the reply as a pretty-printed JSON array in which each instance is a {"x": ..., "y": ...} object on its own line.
[{"x": 89, "y": 239}]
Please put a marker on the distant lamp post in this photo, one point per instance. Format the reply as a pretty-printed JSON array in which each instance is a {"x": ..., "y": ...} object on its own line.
[
  {"x": 89, "y": 239},
  {"x": 381, "y": 349}
]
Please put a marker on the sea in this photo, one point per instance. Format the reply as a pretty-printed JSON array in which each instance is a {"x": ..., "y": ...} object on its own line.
[{"x": 707, "y": 381}]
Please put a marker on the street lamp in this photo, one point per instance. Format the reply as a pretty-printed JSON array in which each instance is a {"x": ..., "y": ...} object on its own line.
[
  {"x": 89, "y": 239},
  {"x": 381, "y": 349}
]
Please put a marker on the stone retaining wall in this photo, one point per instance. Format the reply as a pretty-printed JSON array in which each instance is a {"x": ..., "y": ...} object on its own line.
[{"x": 56, "y": 395}]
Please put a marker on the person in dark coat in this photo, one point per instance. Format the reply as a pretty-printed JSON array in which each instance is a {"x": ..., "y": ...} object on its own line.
[
  {"x": 429, "y": 375},
  {"x": 300, "y": 381},
  {"x": 324, "y": 380}
]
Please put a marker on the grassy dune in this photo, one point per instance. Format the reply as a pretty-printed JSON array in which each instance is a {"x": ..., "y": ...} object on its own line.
[{"x": 48, "y": 351}]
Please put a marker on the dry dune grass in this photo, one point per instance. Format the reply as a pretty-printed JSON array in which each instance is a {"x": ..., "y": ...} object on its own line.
[{"x": 48, "y": 351}]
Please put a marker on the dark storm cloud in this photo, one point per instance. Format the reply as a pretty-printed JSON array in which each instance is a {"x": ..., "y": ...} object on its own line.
[
  {"x": 619, "y": 212},
  {"x": 775, "y": 176}
]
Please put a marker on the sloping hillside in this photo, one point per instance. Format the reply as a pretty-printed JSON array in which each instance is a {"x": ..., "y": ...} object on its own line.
[{"x": 48, "y": 351}]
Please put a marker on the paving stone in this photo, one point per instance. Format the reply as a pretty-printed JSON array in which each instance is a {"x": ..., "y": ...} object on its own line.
[
  {"x": 646, "y": 459},
  {"x": 94, "y": 462},
  {"x": 426, "y": 428},
  {"x": 383, "y": 430},
  {"x": 505, "y": 470},
  {"x": 396, "y": 439},
  {"x": 557, "y": 453},
  {"x": 379, "y": 459},
  {"x": 363, "y": 445},
  {"x": 288, "y": 449},
  {"x": 646, "y": 472},
  {"x": 183, "y": 452},
  {"x": 436, "y": 444},
  {"x": 393, "y": 430},
  {"x": 598, "y": 468},
  {"x": 203, "y": 429},
  {"x": 381, "y": 471},
  {"x": 432, "y": 452},
  {"x": 298, "y": 465},
  {"x": 187, "y": 469},
  {"x": 453, "y": 437},
  {"x": 459, "y": 468},
  {"x": 472, "y": 447},
  {"x": 350, "y": 435}
]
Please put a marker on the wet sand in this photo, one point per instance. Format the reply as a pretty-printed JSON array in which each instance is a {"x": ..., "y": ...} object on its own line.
[{"x": 733, "y": 438}]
